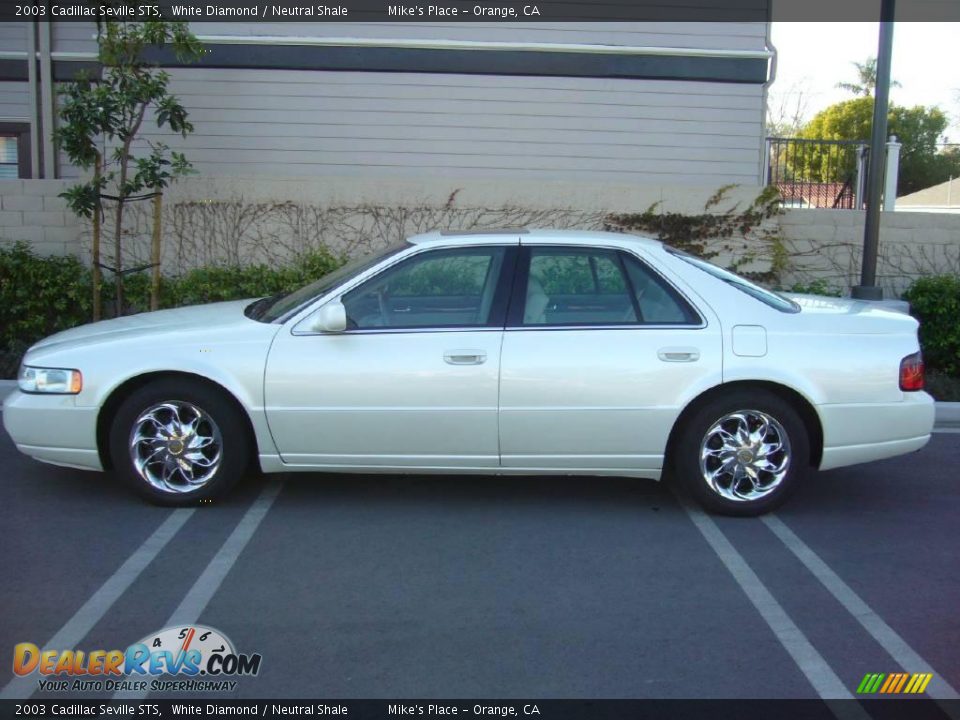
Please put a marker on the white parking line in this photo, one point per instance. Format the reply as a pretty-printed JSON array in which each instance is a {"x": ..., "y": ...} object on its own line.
[
  {"x": 889, "y": 640},
  {"x": 82, "y": 622},
  {"x": 203, "y": 590},
  {"x": 811, "y": 663}
]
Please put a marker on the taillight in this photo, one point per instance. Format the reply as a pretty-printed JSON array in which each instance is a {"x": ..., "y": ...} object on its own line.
[{"x": 911, "y": 372}]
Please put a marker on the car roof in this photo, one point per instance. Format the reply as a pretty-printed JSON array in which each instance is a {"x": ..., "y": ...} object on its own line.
[{"x": 530, "y": 235}]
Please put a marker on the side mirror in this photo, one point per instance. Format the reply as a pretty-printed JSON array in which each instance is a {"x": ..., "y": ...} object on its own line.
[{"x": 331, "y": 318}]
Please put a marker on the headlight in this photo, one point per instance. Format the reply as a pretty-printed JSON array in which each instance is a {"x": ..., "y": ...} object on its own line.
[{"x": 50, "y": 380}]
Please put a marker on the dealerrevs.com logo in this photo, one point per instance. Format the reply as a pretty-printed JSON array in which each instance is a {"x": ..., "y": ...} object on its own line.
[{"x": 201, "y": 658}]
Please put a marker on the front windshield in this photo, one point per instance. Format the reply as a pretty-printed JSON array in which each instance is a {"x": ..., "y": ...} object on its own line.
[
  {"x": 270, "y": 309},
  {"x": 767, "y": 297}
]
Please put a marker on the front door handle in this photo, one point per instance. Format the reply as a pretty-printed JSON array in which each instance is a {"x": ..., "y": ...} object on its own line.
[
  {"x": 465, "y": 357},
  {"x": 678, "y": 354}
]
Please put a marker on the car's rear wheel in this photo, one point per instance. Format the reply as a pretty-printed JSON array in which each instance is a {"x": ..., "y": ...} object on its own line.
[
  {"x": 179, "y": 442},
  {"x": 742, "y": 453}
]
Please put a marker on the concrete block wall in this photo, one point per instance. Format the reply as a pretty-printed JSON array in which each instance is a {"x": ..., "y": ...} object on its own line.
[
  {"x": 30, "y": 210},
  {"x": 827, "y": 245},
  {"x": 209, "y": 220}
]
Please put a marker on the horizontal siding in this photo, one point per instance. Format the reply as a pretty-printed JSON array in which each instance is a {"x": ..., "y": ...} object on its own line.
[
  {"x": 287, "y": 123},
  {"x": 79, "y": 36},
  {"x": 13, "y": 37},
  {"x": 14, "y": 101},
  {"x": 733, "y": 36},
  {"x": 73, "y": 36}
]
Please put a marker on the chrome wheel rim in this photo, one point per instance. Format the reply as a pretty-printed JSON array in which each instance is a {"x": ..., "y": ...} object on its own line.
[
  {"x": 745, "y": 455},
  {"x": 175, "y": 446}
]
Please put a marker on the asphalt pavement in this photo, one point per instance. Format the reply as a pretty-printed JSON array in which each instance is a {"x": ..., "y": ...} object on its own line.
[{"x": 465, "y": 587}]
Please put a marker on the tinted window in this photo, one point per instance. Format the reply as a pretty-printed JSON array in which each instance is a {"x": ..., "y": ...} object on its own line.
[
  {"x": 595, "y": 286},
  {"x": 658, "y": 303},
  {"x": 273, "y": 308},
  {"x": 767, "y": 297},
  {"x": 439, "y": 288},
  {"x": 577, "y": 286}
]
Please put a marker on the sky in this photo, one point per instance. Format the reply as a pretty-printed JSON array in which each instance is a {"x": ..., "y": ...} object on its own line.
[{"x": 814, "y": 57}]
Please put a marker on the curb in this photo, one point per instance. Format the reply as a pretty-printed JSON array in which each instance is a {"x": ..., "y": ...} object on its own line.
[{"x": 947, "y": 413}]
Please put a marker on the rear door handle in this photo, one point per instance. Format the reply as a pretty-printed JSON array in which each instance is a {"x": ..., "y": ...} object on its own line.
[
  {"x": 465, "y": 357},
  {"x": 678, "y": 354}
]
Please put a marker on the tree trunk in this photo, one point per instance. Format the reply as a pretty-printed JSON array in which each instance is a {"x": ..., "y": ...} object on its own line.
[
  {"x": 155, "y": 250},
  {"x": 117, "y": 274},
  {"x": 95, "y": 249},
  {"x": 130, "y": 134}
]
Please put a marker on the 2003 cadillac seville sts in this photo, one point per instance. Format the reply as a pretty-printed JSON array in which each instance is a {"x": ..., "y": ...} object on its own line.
[{"x": 510, "y": 352}]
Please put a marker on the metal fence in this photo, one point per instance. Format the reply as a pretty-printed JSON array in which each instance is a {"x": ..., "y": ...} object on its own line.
[{"x": 817, "y": 173}]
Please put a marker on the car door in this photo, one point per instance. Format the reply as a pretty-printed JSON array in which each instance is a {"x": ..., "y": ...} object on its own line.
[
  {"x": 412, "y": 381},
  {"x": 600, "y": 354}
]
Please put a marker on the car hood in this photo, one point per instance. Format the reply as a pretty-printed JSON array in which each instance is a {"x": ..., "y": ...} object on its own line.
[{"x": 186, "y": 319}]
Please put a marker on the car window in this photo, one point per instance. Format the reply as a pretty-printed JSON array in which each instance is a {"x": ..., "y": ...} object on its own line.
[
  {"x": 657, "y": 302},
  {"x": 577, "y": 286},
  {"x": 270, "y": 309},
  {"x": 767, "y": 297},
  {"x": 597, "y": 286},
  {"x": 438, "y": 288}
]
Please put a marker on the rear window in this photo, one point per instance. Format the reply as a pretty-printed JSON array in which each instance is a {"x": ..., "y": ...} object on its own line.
[{"x": 767, "y": 297}]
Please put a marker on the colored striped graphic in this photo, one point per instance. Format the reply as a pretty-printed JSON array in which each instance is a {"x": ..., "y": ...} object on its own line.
[{"x": 894, "y": 683}]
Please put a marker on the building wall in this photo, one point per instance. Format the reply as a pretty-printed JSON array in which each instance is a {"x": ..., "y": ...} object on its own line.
[
  {"x": 80, "y": 36},
  {"x": 303, "y": 123},
  {"x": 13, "y": 36},
  {"x": 14, "y": 102},
  {"x": 32, "y": 212},
  {"x": 383, "y": 122},
  {"x": 827, "y": 245},
  {"x": 229, "y": 220}
]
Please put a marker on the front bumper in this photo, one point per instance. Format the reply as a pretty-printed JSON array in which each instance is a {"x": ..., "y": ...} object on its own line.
[{"x": 52, "y": 429}]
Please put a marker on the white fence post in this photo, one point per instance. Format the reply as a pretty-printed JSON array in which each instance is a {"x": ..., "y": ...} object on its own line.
[{"x": 892, "y": 172}]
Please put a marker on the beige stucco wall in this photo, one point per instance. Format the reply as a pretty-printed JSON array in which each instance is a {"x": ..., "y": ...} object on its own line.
[
  {"x": 828, "y": 244},
  {"x": 251, "y": 220}
]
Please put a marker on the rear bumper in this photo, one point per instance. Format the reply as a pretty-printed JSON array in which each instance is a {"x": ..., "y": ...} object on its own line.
[
  {"x": 861, "y": 433},
  {"x": 52, "y": 429}
]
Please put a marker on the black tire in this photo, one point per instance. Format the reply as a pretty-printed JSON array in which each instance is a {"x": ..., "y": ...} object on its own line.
[
  {"x": 770, "y": 493},
  {"x": 218, "y": 421}
]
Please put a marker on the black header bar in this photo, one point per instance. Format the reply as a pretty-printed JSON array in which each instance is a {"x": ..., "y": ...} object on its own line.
[
  {"x": 524, "y": 709},
  {"x": 466, "y": 11}
]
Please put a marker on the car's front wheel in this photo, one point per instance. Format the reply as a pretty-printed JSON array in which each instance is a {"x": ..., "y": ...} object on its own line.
[
  {"x": 178, "y": 443},
  {"x": 742, "y": 453}
]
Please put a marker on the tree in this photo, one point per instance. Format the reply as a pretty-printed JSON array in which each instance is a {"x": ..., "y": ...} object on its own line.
[
  {"x": 866, "y": 83},
  {"x": 918, "y": 129},
  {"x": 99, "y": 131},
  {"x": 786, "y": 110}
]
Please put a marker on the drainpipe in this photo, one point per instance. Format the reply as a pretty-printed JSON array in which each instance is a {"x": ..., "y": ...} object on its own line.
[
  {"x": 46, "y": 101},
  {"x": 867, "y": 289},
  {"x": 765, "y": 154},
  {"x": 32, "y": 100}
]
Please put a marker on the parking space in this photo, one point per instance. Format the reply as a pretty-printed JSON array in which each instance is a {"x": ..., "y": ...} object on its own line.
[{"x": 403, "y": 587}]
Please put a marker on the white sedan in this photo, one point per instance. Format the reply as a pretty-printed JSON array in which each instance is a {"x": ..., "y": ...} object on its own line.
[{"x": 510, "y": 352}]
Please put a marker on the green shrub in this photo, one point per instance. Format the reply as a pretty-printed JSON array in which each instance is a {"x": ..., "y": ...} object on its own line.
[
  {"x": 43, "y": 295},
  {"x": 935, "y": 302},
  {"x": 38, "y": 297},
  {"x": 217, "y": 283},
  {"x": 815, "y": 287}
]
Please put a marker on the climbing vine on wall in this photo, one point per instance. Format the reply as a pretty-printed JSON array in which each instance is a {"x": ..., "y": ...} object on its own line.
[{"x": 743, "y": 239}]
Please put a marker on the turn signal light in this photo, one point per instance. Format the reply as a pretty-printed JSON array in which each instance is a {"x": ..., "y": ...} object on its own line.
[{"x": 911, "y": 373}]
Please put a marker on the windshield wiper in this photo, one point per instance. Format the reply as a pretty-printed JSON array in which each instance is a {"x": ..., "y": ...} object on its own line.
[{"x": 257, "y": 308}]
